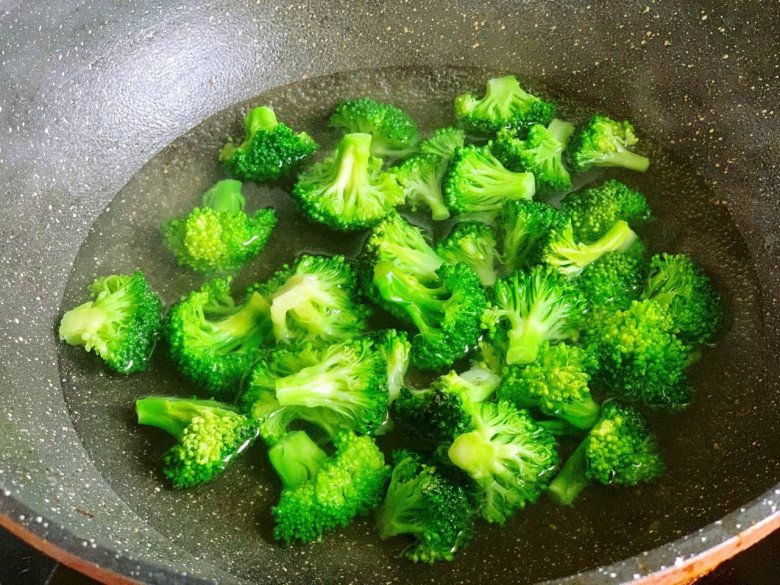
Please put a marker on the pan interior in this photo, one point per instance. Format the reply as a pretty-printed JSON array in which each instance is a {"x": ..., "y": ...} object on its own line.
[{"x": 228, "y": 522}]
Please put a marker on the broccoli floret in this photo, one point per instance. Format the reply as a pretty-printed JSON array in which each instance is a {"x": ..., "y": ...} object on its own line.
[
  {"x": 509, "y": 457},
  {"x": 210, "y": 435},
  {"x": 315, "y": 300},
  {"x": 523, "y": 227},
  {"x": 214, "y": 341},
  {"x": 421, "y": 177},
  {"x": 640, "y": 357},
  {"x": 395, "y": 347},
  {"x": 394, "y": 133},
  {"x": 348, "y": 191},
  {"x": 541, "y": 153},
  {"x": 296, "y": 458},
  {"x": 620, "y": 450},
  {"x": 678, "y": 284},
  {"x": 612, "y": 281},
  {"x": 346, "y": 485},
  {"x": 446, "y": 313},
  {"x": 444, "y": 142},
  {"x": 270, "y": 149},
  {"x": 530, "y": 307},
  {"x": 121, "y": 323},
  {"x": 603, "y": 142},
  {"x": 555, "y": 384},
  {"x": 473, "y": 244},
  {"x": 477, "y": 182},
  {"x": 505, "y": 105},
  {"x": 426, "y": 505},
  {"x": 596, "y": 209},
  {"x": 219, "y": 235}
]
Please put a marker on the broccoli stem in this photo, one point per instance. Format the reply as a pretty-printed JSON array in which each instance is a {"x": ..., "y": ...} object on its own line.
[
  {"x": 624, "y": 158},
  {"x": 583, "y": 414},
  {"x": 402, "y": 511},
  {"x": 243, "y": 326},
  {"x": 524, "y": 344},
  {"x": 296, "y": 458},
  {"x": 257, "y": 119},
  {"x": 80, "y": 325},
  {"x": 501, "y": 91},
  {"x": 225, "y": 196},
  {"x": 422, "y": 304},
  {"x": 473, "y": 454},
  {"x": 172, "y": 415},
  {"x": 572, "y": 479},
  {"x": 561, "y": 130},
  {"x": 352, "y": 160}
]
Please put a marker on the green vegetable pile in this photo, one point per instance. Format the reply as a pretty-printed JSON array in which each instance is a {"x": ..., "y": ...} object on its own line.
[{"x": 546, "y": 332}]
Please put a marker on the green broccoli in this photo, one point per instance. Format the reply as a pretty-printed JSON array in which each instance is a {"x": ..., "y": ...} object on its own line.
[
  {"x": 473, "y": 244},
  {"x": 523, "y": 227},
  {"x": 421, "y": 177},
  {"x": 423, "y": 503},
  {"x": 612, "y": 281},
  {"x": 603, "y": 142},
  {"x": 678, "y": 284},
  {"x": 296, "y": 458},
  {"x": 619, "y": 450},
  {"x": 444, "y": 142},
  {"x": 395, "y": 347},
  {"x": 213, "y": 340},
  {"x": 210, "y": 435},
  {"x": 270, "y": 149},
  {"x": 505, "y": 105},
  {"x": 477, "y": 182},
  {"x": 219, "y": 235},
  {"x": 394, "y": 133},
  {"x": 541, "y": 153},
  {"x": 510, "y": 458},
  {"x": 121, "y": 323}
]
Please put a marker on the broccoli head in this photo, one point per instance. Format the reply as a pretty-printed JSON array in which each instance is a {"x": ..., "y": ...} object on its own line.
[
  {"x": 604, "y": 142},
  {"x": 523, "y": 227},
  {"x": 394, "y": 134},
  {"x": 444, "y": 142},
  {"x": 421, "y": 177},
  {"x": 296, "y": 458},
  {"x": 473, "y": 244},
  {"x": 395, "y": 347},
  {"x": 612, "y": 281}
]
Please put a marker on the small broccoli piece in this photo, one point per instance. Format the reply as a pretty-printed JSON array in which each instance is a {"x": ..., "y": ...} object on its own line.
[
  {"x": 219, "y": 235},
  {"x": 530, "y": 307},
  {"x": 523, "y": 227},
  {"x": 395, "y": 347},
  {"x": 214, "y": 341},
  {"x": 612, "y": 281},
  {"x": 348, "y": 191},
  {"x": 421, "y": 177},
  {"x": 603, "y": 142},
  {"x": 510, "y": 458},
  {"x": 296, "y": 458},
  {"x": 444, "y": 142},
  {"x": 473, "y": 244},
  {"x": 541, "y": 153},
  {"x": 677, "y": 283},
  {"x": 270, "y": 149},
  {"x": 640, "y": 356},
  {"x": 555, "y": 384},
  {"x": 477, "y": 182},
  {"x": 620, "y": 450},
  {"x": 210, "y": 435},
  {"x": 121, "y": 323},
  {"x": 596, "y": 209},
  {"x": 504, "y": 105},
  {"x": 394, "y": 134},
  {"x": 346, "y": 485},
  {"x": 426, "y": 505}
]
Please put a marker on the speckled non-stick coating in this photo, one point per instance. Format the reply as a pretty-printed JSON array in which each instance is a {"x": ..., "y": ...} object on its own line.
[{"x": 91, "y": 90}]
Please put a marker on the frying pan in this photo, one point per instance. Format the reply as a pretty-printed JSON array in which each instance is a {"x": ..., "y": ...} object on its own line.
[{"x": 91, "y": 90}]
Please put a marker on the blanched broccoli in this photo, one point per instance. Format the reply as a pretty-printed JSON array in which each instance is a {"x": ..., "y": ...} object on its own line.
[
  {"x": 504, "y": 105},
  {"x": 296, "y": 458},
  {"x": 426, "y": 505},
  {"x": 477, "y": 182},
  {"x": 347, "y": 484},
  {"x": 620, "y": 450},
  {"x": 612, "y": 281},
  {"x": 214, "y": 341},
  {"x": 530, "y": 307},
  {"x": 523, "y": 228},
  {"x": 421, "y": 177},
  {"x": 270, "y": 149},
  {"x": 473, "y": 244},
  {"x": 121, "y": 323},
  {"x": 348, "y": 191},
  {"x": 210, "y": 435},
  {"x": 219, "y": 235},
  {"x": 603, "y": 142},
  {"x": 394, "y": 133},
  {"x": 444, "y": 143},
  {"x": 395, "y": 347}
]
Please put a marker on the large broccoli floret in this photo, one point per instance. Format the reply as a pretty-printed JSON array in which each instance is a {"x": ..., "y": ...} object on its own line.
[
  {"x": 504, "y": 105},
  {"x": 426, "y": 505},
  {"x": 640, "y": 356},
  {"x": 620, "y": 450},
  {"x": 348, "y": 191},
  {"x": 471, "y": 243},
  {"x": 444, "y": 143},
  {"x": 555, "y": 384},
  {"x": 213, "y": 340},
  {"x": 530, "y": 307},
  {"x": 596, "y": 209},
  {"x": 510, "y": 458},
  {"x": 219, "y": 235},
  {"x": 210, "y": 435},
  {"x": 395, "y": 347},
  {"x": 523, "y": 228},
  {"x": 679, "y": 284},
  {"x": 477, "y": 182},
  {"x": 121, "y": 323},
  {"x": 270, "y": 150},
  {"x": 612, "y": 281},
  {"x": 335, "y": 490},
  {"x": 603, "y": 142},
  {"x": 541, "y": 153},
  {"x": 394, "y": 133}
]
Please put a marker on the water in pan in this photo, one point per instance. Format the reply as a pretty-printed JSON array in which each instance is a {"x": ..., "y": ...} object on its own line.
[{"x": 228, "y": 521}]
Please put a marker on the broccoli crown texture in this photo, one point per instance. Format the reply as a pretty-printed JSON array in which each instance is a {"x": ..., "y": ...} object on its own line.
[
  {"x": 523, "y": 228},
  {"x": 444, "y": 142},
  {"x": 603, "y": 142},
  {"x": 395, "y": 347},
  {"x": 421, "y": 178},
  {"x": 612, "y": 281},
  {"x": 394, "y": 134},
  {"x": 471, "y": 243}
]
